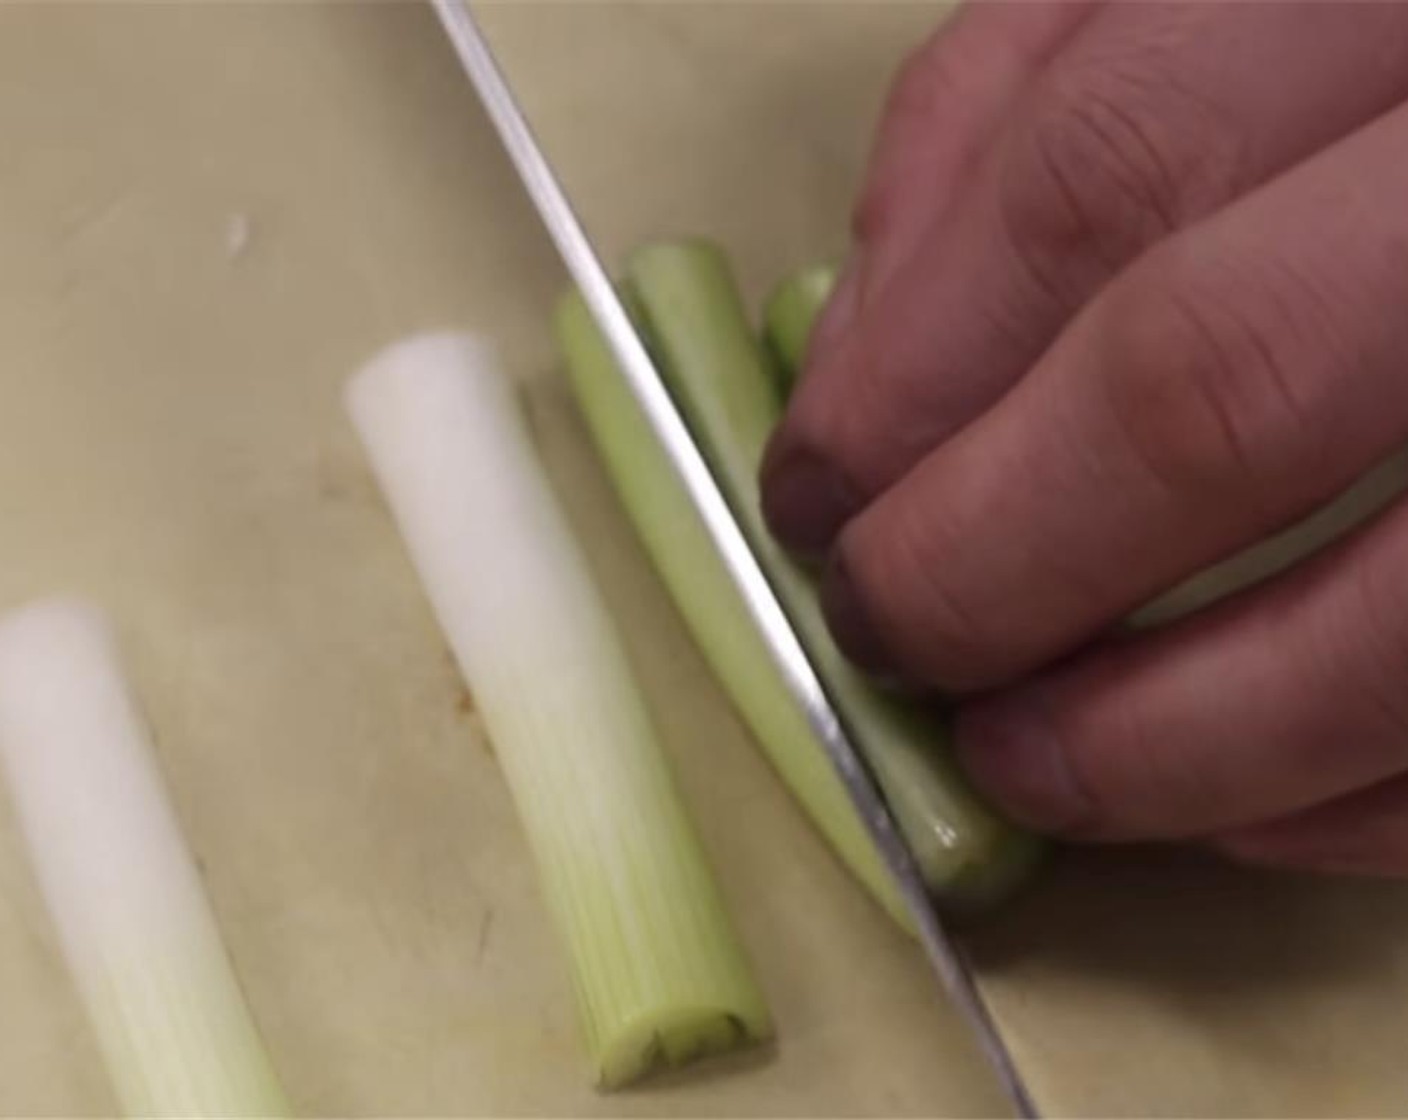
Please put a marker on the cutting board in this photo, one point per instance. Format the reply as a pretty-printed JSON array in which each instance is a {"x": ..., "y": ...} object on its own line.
[{"x": 208, "y": 216}]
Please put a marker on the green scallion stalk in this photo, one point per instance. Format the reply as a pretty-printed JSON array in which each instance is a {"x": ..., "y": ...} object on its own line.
[
  {"x": 659, "y": 972},
  {"x": 694, "y": 319},
  {"x": 135, "y": 927},
  {"x": 694, "y": 574},
  {"x": 788, "y": 316}
]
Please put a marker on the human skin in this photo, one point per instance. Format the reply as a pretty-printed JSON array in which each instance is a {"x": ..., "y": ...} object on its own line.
[{"x": 1129, "y": 293}]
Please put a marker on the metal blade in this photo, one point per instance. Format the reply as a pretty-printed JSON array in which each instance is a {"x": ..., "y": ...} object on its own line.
[{"x": 649, "y": 390}]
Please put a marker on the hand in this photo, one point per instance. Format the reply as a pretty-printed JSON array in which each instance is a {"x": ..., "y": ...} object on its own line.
[{"x": 1130, "y": 293}]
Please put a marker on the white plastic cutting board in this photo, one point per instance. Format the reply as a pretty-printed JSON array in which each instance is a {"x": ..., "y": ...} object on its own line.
[{"x": 208, "y": 216}]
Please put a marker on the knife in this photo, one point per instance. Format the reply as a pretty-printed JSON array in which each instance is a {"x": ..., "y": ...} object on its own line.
[{"x": 943, "y": 953}]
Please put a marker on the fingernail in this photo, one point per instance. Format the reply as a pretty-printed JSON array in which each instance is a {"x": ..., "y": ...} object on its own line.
[
  {"x": 840, "y": 311},
  {"x": 851, "y": 624},
  {"x": 806, "y": 500},
  {"x": 1013, "y": 755}
]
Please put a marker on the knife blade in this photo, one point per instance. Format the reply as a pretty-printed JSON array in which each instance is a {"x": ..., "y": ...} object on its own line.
[{"x": 944, "y": 955}]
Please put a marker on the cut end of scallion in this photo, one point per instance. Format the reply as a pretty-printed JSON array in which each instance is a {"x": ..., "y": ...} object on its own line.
[
  {"x": 136, "y": 930},
  {"x": 658, "y": 969},
  {"x": 671, "y": 1041}
]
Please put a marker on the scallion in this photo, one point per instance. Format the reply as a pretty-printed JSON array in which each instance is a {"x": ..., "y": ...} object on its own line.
[
  {"x": 699, "y": 584},
  {"x": 693, "y": 317},
  {"x": 659, "y": 972},
  {"x": 135, "y": 927},
  {"x": 788, "y": 316}
]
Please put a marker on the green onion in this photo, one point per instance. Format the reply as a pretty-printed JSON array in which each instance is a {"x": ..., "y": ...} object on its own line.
[
  {"x": 788, "y": 316},
  {"x": 135, "y": 927},
  {"x": 659, "y": 973},
  {"x": 694, "y": 574},
  {"x": 695, "y": 323}
]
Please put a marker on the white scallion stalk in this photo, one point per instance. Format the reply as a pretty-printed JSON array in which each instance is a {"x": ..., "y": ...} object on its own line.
[
  {"x": 659, "y": 973},
  {"x": 133, "y": 920}
]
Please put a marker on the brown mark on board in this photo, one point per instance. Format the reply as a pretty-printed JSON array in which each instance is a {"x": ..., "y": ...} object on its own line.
[{"x": 340, "y": 477}]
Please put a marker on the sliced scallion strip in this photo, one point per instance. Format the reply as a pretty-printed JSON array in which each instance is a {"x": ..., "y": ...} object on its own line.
[
  {"x": 659, "y": 972},
  {"x": 136, "y": 930},
  {"x": 788, "y": 317}
]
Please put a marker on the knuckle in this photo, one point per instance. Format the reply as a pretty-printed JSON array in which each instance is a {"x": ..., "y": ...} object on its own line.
[
  {"x": 925, "y": 77},
  {"x": 865, "y": 429},
  {"x": 1167, "y": 784},
  {"x": 930, "y": 78},
  {"x": 923, "y": 616},
  {"x": 810, "y": 429},
  {"x": 1106, "y": 165},
  {"x": 1379, "y": 624},
  {"x": 1136, "y": 776},
  {"x": 1198, "y": 385},
  {"x": 875, "y": 209}
]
